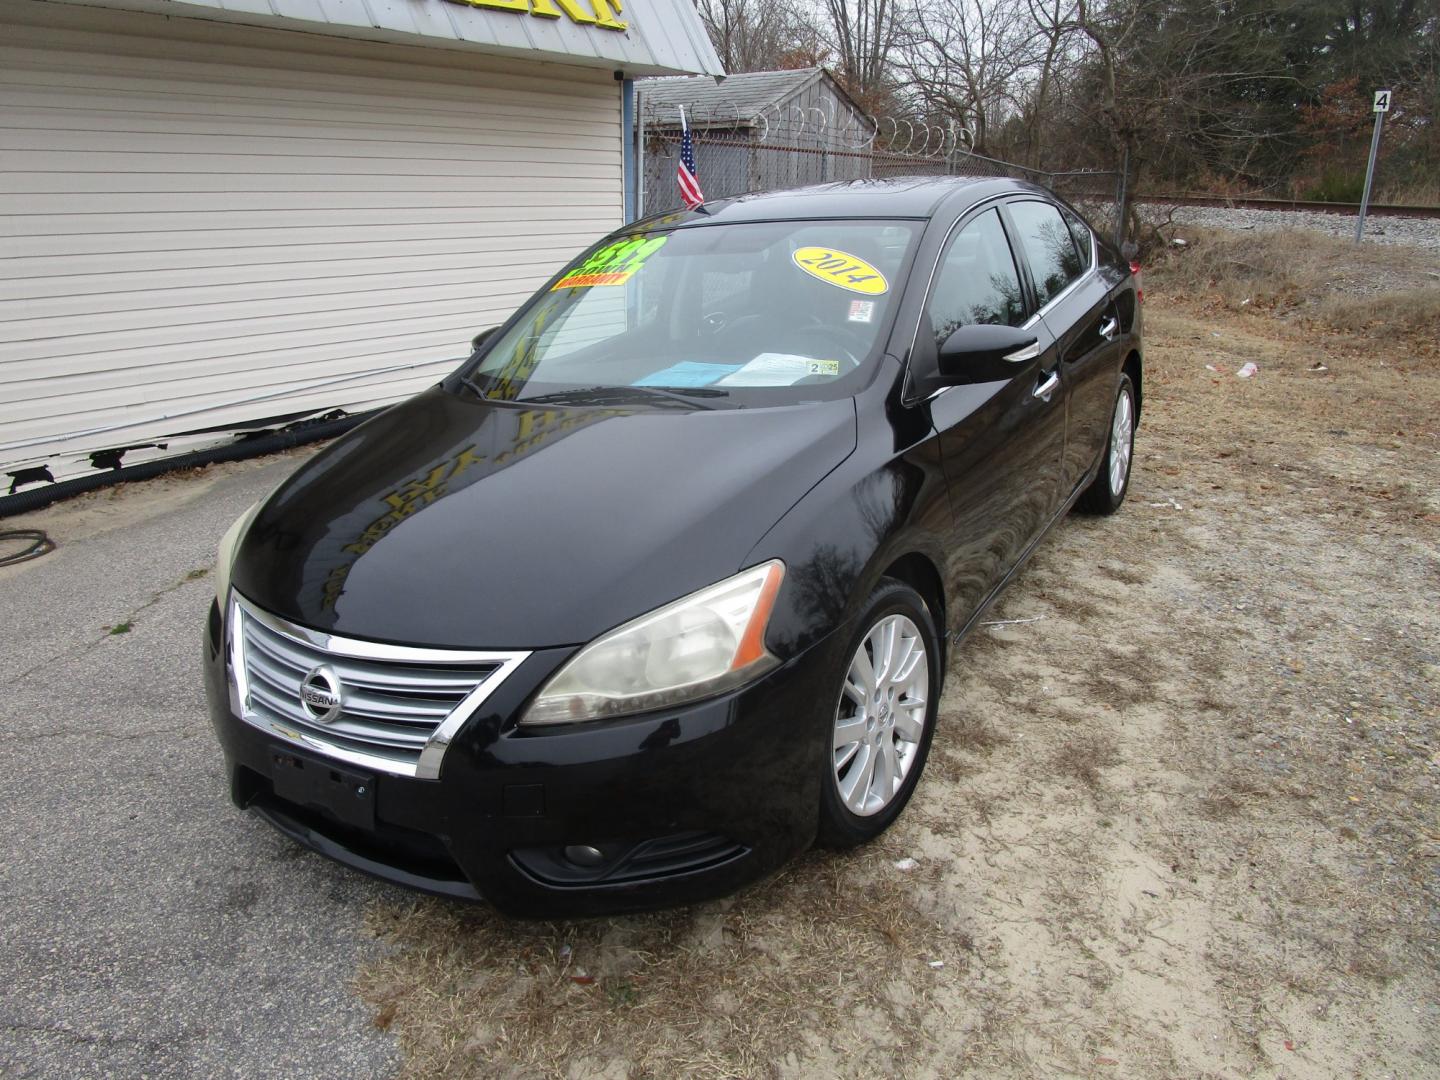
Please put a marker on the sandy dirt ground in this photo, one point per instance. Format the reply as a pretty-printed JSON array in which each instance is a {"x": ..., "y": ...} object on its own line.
[{"x": 1180, "y": 818}]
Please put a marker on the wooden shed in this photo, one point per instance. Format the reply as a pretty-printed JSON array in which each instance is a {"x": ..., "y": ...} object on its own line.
[{"x": 755, "y": 131}]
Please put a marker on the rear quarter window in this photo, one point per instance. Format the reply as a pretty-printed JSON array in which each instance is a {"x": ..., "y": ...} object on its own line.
[{"x": 1084, "y": 238}]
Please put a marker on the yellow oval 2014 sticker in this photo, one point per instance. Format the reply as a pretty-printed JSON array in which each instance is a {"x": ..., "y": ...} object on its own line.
[{"x": 838, "y": 268}]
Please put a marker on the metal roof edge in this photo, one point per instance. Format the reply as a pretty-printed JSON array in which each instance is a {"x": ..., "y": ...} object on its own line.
[{"x": 646, "y": 51}]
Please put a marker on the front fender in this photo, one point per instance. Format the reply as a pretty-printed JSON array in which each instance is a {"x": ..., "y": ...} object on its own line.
[{"x": 840, "y": 539}]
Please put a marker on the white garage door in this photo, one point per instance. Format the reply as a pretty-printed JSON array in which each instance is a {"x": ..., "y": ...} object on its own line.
[{"x": 203, "y": 225}]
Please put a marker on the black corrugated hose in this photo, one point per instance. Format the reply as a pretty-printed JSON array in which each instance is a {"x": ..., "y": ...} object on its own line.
[
  {"x": 39, "y": 544},
  {"x": 308, "y": 431}
]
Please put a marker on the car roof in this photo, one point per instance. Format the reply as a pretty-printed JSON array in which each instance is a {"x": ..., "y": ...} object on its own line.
[{"x": 894, "y": 197}]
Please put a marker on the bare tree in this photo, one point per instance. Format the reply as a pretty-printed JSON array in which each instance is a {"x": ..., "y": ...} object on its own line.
[
  {"x": 864, "y": 34},
  {"x": 965, "y": 60},
  {"x": 1055, "y": 27},
  {"x": 754, "y": 35},
  {"x": 1199, "y": 84},
  {"x": 1215, "y": 93}
]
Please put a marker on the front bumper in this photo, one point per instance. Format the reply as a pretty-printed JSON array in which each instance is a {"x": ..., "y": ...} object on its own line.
[{"x": 684, "y": 805}]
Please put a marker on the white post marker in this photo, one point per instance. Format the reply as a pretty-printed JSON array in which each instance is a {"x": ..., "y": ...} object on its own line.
[{"x": 1382, "y": 106}]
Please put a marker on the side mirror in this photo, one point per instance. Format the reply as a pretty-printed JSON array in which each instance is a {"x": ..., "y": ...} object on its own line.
[
  {"x": 480, "y": 338},
  {"x": 981, "y": 353}
]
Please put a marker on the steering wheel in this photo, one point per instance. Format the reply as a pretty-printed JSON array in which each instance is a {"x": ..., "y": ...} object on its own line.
[
  {"x": 826, "y": 339},
  {"x": 712, "y": 322}
]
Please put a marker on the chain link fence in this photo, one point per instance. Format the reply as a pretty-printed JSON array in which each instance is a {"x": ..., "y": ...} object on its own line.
[{"x": 739, "y": 156}]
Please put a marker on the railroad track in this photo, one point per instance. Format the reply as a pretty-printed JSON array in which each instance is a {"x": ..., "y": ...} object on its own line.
[{"x": 1244, "y": 203}]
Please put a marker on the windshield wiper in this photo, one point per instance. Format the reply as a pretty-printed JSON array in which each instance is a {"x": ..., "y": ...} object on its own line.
[
  {"x": 600, "y": 395},
  {"x": 471, "y": 384}
]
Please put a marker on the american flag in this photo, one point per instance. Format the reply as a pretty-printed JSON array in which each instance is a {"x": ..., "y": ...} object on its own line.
[{"x": 690, "y": 193}]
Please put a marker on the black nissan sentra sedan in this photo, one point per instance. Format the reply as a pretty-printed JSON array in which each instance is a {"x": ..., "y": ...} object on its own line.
[{"x": 659, "y": 587}]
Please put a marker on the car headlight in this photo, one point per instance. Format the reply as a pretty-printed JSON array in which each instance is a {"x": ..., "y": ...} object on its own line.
[
  {"x": 225, "y": 555},
  {"x": 709, "y": 642}
]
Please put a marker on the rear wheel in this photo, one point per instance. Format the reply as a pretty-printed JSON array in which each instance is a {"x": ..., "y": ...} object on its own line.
[
  {"x": 1107, "y": 492},
  {"x": 884, "y": 718}
]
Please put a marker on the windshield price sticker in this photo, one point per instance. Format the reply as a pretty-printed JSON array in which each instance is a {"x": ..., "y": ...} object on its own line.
[
  {"x": 839, "y": 268},
  {"x": 612, "y": 265}
]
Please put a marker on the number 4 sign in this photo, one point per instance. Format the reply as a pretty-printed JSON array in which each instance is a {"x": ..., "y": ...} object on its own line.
[{"x": 1382, "y": 106}]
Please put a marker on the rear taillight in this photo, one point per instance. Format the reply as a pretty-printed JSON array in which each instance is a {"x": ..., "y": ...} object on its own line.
[{"x": 1135, "y": 273}]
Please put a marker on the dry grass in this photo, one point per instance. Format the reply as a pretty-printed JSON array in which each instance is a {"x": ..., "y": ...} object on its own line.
[
  {"x": 1083, "y": 756},
  {"x": 1411, "y": 313},
  {"x": 1239, "y": 268},
  {"x": 970, "y": 731},
  {"x": 1328, "y": 282},
  {"x": 473, "y": 994},
  {"x": 1415, "y": 193}
]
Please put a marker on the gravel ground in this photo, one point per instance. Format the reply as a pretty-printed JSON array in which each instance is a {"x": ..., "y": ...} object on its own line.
[
  {"x": 1416, "y": 232},
  {"x": 148, "y": 928}
]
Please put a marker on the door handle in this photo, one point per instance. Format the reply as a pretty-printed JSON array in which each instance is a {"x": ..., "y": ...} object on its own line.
[
  {"x": 1046, "y": 388},
  {"x": 1109, "y": 328}
]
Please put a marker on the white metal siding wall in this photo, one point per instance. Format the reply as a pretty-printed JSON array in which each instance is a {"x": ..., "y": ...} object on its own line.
[{"x": 203, "y": 225}]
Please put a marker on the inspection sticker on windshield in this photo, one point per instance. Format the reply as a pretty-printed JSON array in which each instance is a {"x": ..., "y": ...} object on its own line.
[
  {"x": 861, "y": 311},
  {"x": 779, "y": 369},
  {"x": 839, "y": 268},
  {"x": 613, "y": 264}
]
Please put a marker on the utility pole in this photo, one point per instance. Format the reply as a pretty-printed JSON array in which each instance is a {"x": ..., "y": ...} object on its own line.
[{"x": 1382, "y": 106}]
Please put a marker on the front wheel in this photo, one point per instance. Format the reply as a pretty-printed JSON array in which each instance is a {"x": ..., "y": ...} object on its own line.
[
  {"x": 884, "y": 718},
  {"x": 1107, "y": 492}
]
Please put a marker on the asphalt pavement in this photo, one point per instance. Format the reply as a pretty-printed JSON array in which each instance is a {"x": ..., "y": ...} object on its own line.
[{"x": 147, "y": 927}]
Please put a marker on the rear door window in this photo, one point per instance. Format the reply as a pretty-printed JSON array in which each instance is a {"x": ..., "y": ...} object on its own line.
[{"x": 1048, "y": 246}]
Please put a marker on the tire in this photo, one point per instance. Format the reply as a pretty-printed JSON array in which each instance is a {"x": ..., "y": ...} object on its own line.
[
  {"x": 896, "y": 614},
  {"x": 1107, "y": 492}
]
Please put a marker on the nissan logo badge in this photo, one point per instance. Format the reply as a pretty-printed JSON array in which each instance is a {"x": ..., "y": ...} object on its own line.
[{"x": 320, "y": 695}]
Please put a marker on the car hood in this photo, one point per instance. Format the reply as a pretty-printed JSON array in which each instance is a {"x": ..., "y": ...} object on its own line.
[{"x": 457, "y": 522}]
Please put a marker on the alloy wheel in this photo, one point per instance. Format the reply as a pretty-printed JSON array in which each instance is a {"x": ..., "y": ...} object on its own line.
[
  {"x": 1122, "y": 441},
  {"x": 880, "y": 719}
]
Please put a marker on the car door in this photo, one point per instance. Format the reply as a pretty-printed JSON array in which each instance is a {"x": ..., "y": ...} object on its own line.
[
  {"x": 1077, "y": 308},
  {"x": 1000, "y": 442}
]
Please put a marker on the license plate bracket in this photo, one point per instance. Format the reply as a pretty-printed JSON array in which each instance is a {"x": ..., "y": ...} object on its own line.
[{"x": 344, "y": 794}]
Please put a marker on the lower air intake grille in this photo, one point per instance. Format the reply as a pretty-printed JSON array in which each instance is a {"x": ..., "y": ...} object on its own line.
[
  {"x": 388, "y": 707},
  {"x": 662, "y": 857}
]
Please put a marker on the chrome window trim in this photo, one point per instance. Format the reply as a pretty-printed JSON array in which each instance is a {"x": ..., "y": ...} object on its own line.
[
  {"x": 432, "y": 755},
  {"x": 967, "y": 218}
]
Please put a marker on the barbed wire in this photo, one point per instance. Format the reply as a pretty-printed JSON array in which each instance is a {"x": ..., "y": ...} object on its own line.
[
  {"x": 742, "y": 148},
  {"x": 822, "y": 124}
]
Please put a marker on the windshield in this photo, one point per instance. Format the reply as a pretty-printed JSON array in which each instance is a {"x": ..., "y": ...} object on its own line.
[{"x": 758, "y": 313}]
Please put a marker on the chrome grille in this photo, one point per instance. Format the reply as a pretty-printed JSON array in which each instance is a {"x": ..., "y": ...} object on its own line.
[{"x": 400, "y": 705}]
